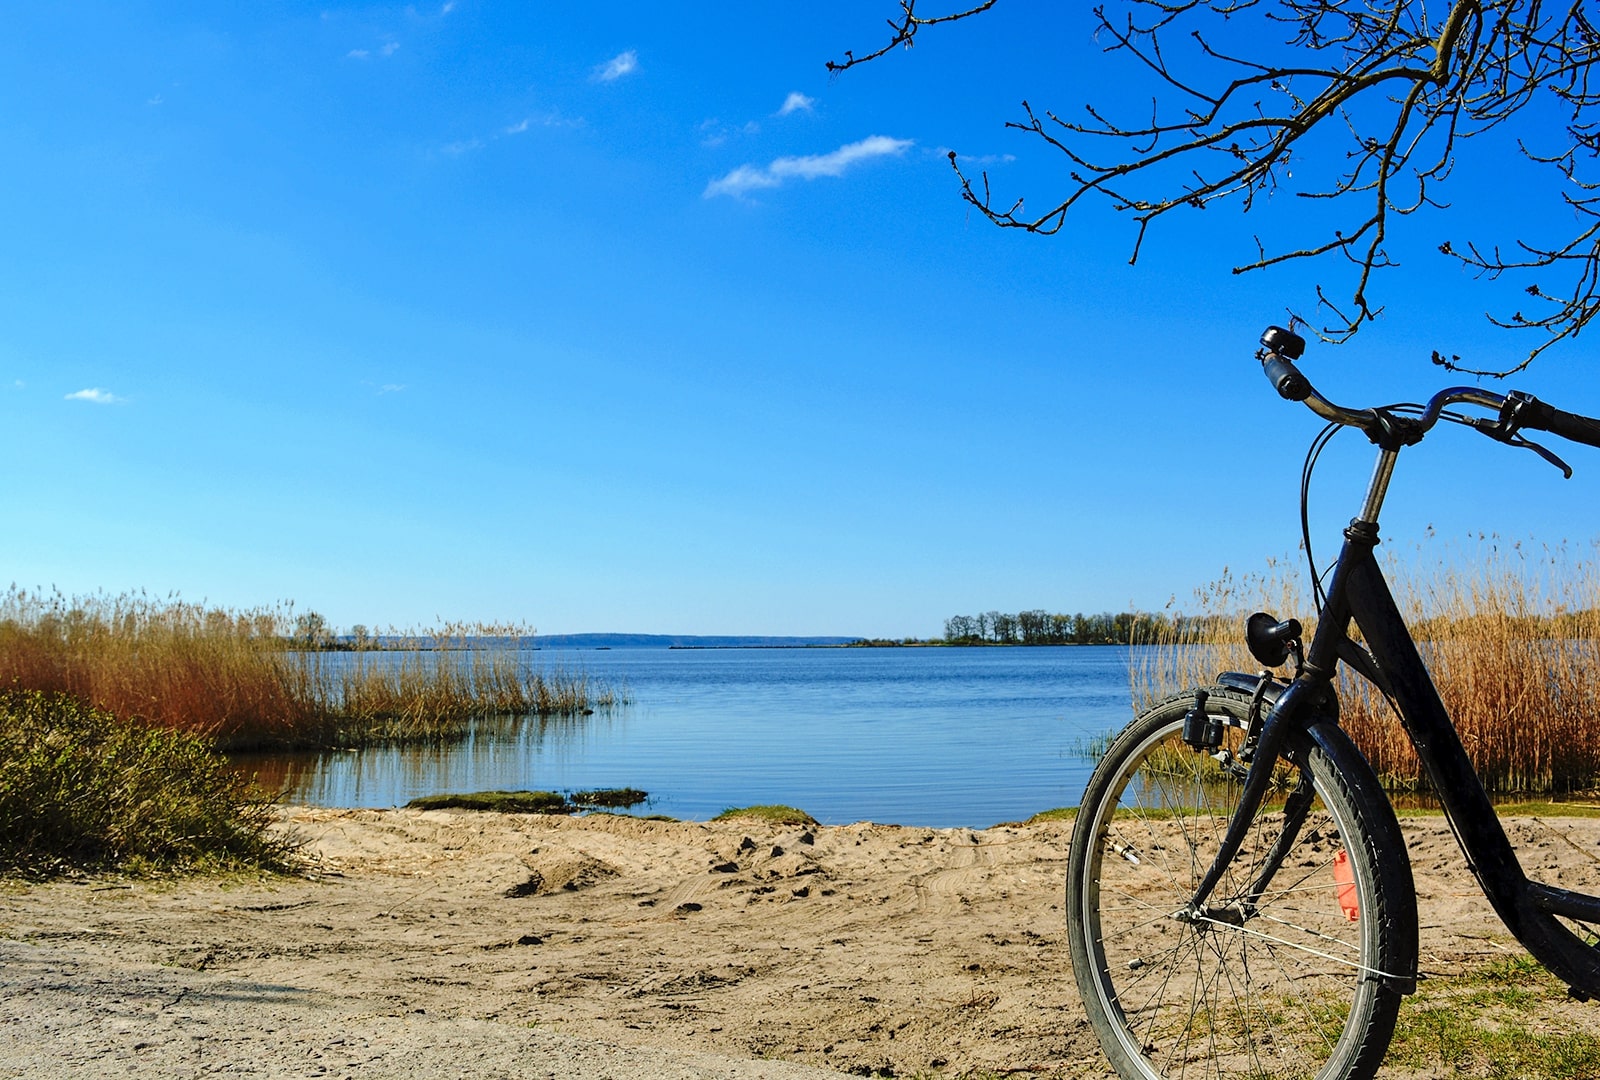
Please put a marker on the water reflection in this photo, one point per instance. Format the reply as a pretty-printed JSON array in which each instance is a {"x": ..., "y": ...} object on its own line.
[
  {"x": 942, "y": 736},
  {"x": 506, "y": 748}
]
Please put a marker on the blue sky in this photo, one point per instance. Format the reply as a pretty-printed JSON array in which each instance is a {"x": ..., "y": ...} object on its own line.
[{"x": 634, "y": 319}]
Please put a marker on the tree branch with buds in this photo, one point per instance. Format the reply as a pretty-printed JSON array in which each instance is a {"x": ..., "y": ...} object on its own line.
[{"x": 1377, "y": 95}]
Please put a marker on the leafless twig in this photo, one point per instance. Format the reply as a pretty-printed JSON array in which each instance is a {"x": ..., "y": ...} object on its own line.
[{"x": 1385, "y": 89}]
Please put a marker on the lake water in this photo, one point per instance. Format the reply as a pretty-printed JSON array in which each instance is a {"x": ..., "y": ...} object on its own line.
[{"x": 915, "y": 736}]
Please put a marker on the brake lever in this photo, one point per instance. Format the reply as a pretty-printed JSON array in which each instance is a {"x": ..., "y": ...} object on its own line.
[
  {"x": 1497, "y": 430},
  {"x": 1518, "y": 440}
]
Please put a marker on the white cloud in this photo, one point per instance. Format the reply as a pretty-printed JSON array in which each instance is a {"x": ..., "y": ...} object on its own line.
[
  {"x": 464, "y": 146},
  {"x": 748, "y": 178},
  {"x": 391, "y": 388},
  {"x": 157, "y": 100},
  {"x": 551, "y": 119},
  {"x": 979, "y": 159},
  {"x": 386, "y": 50},
  {"x": 94, "y": 394},
  {"x": 796, "y": 102},
  {"x": 618, "y": 66},
  {"x": 714, "y": 132}
]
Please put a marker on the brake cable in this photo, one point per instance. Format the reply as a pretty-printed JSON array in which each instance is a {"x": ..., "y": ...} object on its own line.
[{"x": 1318, "y": 444}]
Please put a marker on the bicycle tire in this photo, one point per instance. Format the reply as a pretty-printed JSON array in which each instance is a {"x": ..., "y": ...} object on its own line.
[{"x": 1304, "y": 983}]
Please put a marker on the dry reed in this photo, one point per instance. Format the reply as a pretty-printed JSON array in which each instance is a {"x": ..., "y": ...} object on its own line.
[
  {"x": 233, "y": 677},
  {"x": 1511, "y": 635}
]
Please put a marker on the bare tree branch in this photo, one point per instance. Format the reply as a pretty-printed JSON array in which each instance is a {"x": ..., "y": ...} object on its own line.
[
  {"x": 905, "y": 29},
  {"x": 1389, "y": 88}
]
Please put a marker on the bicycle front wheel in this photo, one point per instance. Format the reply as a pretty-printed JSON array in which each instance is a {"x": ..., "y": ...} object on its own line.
[{"x": 1296, "y": 964}]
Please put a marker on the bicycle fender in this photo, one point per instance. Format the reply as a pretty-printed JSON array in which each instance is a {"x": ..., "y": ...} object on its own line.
[{"x": 1239, "y": 680}]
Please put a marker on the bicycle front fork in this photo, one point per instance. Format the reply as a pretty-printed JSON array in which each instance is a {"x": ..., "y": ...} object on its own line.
[{"x": 1275, "y": 730}]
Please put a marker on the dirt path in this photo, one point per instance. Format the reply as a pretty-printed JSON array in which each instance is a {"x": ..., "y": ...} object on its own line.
[{"x": 452, "y": 943}]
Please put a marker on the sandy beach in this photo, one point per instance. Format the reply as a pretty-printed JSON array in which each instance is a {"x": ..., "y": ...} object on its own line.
[{"x": 447, "y": 943}]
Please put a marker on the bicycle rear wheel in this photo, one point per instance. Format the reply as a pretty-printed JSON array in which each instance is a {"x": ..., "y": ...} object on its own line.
[{"x": 1301, "y": 978}]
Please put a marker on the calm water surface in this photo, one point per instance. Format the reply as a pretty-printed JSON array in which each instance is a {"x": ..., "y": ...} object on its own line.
[{"x": 941, "y": 737}]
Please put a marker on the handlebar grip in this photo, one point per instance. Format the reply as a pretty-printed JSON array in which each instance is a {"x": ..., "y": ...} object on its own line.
[
  {"x": 1527, "y": 411},
  {"x": 1286, "y": 379},
  {"x": 1580, "y": 429}
]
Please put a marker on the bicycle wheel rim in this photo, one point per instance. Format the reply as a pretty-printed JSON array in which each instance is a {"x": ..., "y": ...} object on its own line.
[{"x": 1288, "y": 991}]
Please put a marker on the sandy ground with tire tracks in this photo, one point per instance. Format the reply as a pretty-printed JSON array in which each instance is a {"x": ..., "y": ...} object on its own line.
[{"x": 447, "y": 943}]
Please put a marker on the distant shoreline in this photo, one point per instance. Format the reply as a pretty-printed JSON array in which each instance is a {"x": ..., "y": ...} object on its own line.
[
  {"x": 557, "y": 642},
  {"x": 933, "y": 644}
]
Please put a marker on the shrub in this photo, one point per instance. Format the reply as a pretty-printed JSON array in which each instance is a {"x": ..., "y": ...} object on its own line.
[{"x": 81, "y": 790}]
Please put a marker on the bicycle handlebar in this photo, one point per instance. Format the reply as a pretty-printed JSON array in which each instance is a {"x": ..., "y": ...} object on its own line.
[{"x": 1516, "y": 410}]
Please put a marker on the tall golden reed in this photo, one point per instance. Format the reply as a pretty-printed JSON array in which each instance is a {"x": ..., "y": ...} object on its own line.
[
  {"x": 234, "y": 678},
  {"x": 1511, "y": 635}
]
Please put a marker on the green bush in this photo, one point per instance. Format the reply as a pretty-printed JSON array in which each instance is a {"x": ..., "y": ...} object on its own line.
[{"x": 82, "y": 790}]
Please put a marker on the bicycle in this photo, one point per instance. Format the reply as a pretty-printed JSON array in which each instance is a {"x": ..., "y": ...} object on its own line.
[{"x": 1239, "y": 896}]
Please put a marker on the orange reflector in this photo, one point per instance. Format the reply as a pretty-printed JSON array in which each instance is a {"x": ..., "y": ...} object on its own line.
[{"x": 1344, "y": 880}]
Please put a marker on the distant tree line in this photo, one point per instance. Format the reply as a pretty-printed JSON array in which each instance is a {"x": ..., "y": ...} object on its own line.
[{"x": 1043, "y": 628}]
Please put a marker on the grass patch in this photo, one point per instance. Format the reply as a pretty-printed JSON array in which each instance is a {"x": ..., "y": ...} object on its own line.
[
  {"x": 81, "y": 790},
  {"x": 501, "y": 802},
  {"x": 1060, "y": 813},
  {"x": 776, "y": 814},
  {"x": 532, "y": 802},
  {"x": 1498, "y": 1022},
  {"x": 1515, "y": 808},
  {"x": 241, "y": 679}
]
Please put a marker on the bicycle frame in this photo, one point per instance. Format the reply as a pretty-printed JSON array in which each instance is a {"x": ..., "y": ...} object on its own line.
[{"x": 1359, "y": 593}]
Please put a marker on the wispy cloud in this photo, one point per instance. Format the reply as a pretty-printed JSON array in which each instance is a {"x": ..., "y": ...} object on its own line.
[
  {"x": 157, "y": 100},
  {"x": 473, "y": 143},
  {"x": 94, "y": 394},
  {"x": 622, "y": 64},
  {"x": 796, "y": 102},
  {"x": 714, "y": 132},
  {"x": 386, "y": 50},
  {"x": 747, "y": 178},
  {"x": 551, "y": 119},
  {"x": 980, "y": 160}
]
